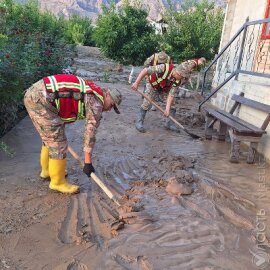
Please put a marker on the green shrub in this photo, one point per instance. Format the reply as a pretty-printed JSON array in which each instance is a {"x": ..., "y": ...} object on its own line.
[
  {"x": 193, "y": 31},
  {"x": 32, "y": 46},
  {"x": 125, "y": 34},
  {"x": 7, "y": 149},
  {"x": 79, "y": 30}
]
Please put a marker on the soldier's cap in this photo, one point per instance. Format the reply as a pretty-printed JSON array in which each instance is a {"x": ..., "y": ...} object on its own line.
[
  {"x": 162, "y": 57},
  {"x": 183, "y": 70},
  {"x": 202, "y": 60},
  {"x": 116, "y": 97}
]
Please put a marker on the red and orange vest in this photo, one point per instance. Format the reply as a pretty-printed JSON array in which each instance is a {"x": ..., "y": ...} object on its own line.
[
  {"x": 163, "y": 81},
  {"x": 69, "y": 93}
]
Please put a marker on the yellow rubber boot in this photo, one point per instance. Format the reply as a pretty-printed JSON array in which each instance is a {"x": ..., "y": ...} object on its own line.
[
  {"x": 44, "y": 162},
  {"x": 57, "y": 174}
]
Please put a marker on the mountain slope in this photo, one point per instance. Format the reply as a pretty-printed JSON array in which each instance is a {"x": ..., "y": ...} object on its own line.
[{"x": 91, "y": 8}]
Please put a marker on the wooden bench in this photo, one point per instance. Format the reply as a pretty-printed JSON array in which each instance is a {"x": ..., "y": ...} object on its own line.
[{"x": 241, "y": 130}]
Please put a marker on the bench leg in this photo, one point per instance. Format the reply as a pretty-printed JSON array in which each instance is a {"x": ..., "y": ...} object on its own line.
[
  {"x": 208, "y": 130},
  {"x": 222, "y": 131},
  {"x": 252, "y": 152},
  {"x": 235, "y": 151}
]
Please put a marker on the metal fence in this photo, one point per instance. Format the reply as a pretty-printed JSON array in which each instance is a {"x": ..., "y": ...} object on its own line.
[{"x": 246, "y": 53}]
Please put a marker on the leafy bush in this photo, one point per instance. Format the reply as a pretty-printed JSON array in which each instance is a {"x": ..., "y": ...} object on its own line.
[
  {"x": 193, "y": 31},
  {"x": 125, "y": 34},
  {"x": 35, "y": 44},
  {"x": 32, "y": 46},
  {"x": 79, "y": 30}
]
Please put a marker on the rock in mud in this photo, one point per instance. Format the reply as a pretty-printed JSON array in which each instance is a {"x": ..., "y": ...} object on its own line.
[
  {"x": 176, "y": 188},
  {"x": 184, "y": 176},
  {"x": 127, "y": 208},
  {"x": 137, "y": 217},
  {"x": 116, "y": 226},
  {"x": 77, "y": 265}
]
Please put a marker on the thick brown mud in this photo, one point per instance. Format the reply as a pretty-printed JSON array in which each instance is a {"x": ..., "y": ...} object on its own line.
[{"x": 184, "y": 205}]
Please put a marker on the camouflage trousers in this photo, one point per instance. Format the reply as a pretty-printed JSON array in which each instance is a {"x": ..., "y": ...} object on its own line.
[
  {"x": 46, "y": 120},
  {"x": 153, "y": 94}
]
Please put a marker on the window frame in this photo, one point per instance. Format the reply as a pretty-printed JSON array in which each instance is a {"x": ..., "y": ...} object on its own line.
[{"x": 265, "y": 36}]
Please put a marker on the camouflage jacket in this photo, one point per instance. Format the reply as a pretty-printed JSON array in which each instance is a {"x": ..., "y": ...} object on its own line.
[{"x": 93, "y": 115}]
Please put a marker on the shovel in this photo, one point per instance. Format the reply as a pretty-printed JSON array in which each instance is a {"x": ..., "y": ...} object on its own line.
[
  {"x": 95, "y": 178},
  {"x": 194, "y": 136}
]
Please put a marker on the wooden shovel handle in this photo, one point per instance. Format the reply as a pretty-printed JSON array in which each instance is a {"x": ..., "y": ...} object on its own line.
[
  {"x": 76, "y": 156},
  {"x": 95, "y": 178},
  {"x": 159, "y": 108},
  {"x": 174, "y": 120}
]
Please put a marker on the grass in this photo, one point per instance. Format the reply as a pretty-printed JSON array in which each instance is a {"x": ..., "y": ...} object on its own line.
[{"x": 7, "y": 149}]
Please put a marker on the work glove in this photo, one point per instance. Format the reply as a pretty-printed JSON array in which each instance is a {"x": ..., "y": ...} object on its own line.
[{"x": 88, "y": 169}]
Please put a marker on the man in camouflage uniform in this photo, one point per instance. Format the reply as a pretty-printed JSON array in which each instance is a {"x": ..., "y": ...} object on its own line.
[
  {"x": 153, "y": 60},
  {"x": 193, "y": 63},
  {"x": 157, "y": 59},
  {"x": 164, "y": 79},
  {"x": 59, "y": 99}
]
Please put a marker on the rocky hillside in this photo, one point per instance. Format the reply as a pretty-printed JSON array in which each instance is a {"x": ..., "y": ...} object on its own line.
[{"x": 91, "y": 8}]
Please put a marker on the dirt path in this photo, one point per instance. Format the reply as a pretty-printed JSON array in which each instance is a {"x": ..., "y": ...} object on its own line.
[{"x": 215, "y": 227}]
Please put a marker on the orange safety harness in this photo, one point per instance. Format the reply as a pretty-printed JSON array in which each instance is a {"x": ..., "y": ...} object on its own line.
[
  {"x": 164, "y": 81},
  {"x": 69, "y": 91}
]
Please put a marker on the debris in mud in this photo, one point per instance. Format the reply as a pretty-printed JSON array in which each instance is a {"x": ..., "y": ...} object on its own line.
[
  {"x": 76, "y": 264},
  {"x": 173, "y": 162},
  {"x": 185, "y": 177},
  {"x": 139, "y": 184},
  {"x": 129, "y": 211},
  {"x": 175, "y": 187},
  {"x": 8, "y": 230},
  {"x": 135, "y": 191},
  {"x": 191, "y": 119},
  {"x": 181, "y": 162},
  {"x": 185, "y": 93},
  {"x": 136, "y": 217},
  {"x": 5, "y": 263},
  {"x": 160, "y": 183},
  {"x": 130, "y": 262},
  {"x": 169, "y": 166},
  {"x": 131, "y": 199},
  {"x": 145, "y": 264},
  {"x": 187, "y": 113},
  {"x": 129, "y": 207},
  {"x": 116, "y": 226}
]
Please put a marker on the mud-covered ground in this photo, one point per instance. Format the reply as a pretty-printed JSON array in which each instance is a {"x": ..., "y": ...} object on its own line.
[{"x": 222, "y": 224}]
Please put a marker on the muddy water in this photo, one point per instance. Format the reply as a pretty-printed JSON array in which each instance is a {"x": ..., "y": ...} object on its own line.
[
  {"x": 214, "y": 228},
  {"x": 219, "y": 226}
]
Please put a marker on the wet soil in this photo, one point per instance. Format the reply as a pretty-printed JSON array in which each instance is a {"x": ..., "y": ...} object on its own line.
[{"x": 183, "y": 204}]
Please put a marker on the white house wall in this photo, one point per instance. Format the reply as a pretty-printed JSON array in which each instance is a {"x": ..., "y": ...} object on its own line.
[
  {"x": 237, "y": 12},
  {"x": 254, "y": 88}
]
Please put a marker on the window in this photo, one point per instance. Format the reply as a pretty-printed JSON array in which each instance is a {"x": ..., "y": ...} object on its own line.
[{"x": 266, "y": 26}]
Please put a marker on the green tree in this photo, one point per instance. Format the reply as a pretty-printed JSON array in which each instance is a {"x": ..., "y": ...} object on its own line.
[
  {"x": 193, "y": 31},
  {"x": 125, "y": 34},
  {"x": 32, "y": 46},
  {"x": 79, "y": 30},
  {"x": 187, "y": 4}
]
